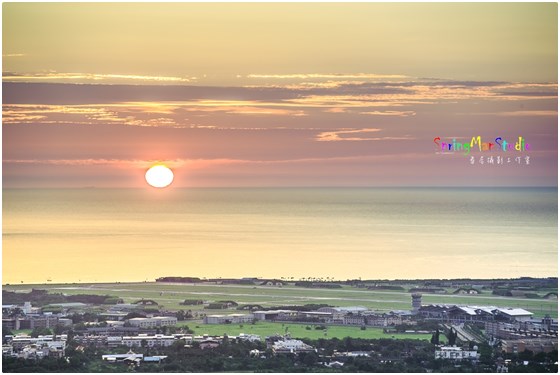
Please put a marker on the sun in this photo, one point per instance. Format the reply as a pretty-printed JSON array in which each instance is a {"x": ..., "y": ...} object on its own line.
[{"x": 159, "y": 176}]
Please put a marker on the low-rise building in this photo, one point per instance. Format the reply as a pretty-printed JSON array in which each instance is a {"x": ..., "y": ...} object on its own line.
[
  {"x": 291, "y": 346},
  {"x": 272, "y": 314},
  {"x": 533, "y": 328},
  {"x": 536, "y": 345},
  {"x": 91, "y": 340},
  {"x": 209, "y": 344},
  {"x": 20, "y": 341},
  {"x": 248, "y": 337},
  {"x": 148, "y": 341},
  {"x": 455, "y": 353},
  {"x": 156, "y": 321},
  {"x": 470, "y": 314},
  {"x": 227, "y": 319}
]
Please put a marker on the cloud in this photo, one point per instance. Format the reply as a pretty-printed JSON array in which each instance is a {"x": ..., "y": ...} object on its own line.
[
  {"x": 389, "y": 113},
  {"x": 55, "y": 76},
  {"x": 328, "y": 76},
  {"x": 340, "y": 135},
  {"x": 202, "y": 163},
  {"x": 13, "y": 55},
  {"x": 176, "y": 105},
  {"x": 527, "y": 113}
]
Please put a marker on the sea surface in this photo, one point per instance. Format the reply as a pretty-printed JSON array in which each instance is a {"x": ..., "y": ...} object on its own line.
[{"x": 87, "y": 235}]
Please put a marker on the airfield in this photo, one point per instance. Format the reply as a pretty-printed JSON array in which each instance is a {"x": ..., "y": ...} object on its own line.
[{"x": 171, "y": 295}]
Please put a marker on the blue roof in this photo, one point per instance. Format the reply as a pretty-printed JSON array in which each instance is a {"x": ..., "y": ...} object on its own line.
[{"x": 154, "y": 359}]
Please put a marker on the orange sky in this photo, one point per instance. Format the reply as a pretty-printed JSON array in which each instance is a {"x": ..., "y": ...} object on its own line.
[{"x": 275, "y": 94}]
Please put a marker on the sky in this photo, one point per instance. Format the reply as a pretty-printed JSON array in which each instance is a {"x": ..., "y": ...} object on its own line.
[{"x": 278, "y": 94}]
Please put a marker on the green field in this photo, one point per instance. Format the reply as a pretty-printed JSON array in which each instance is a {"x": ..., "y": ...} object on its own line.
[
  {"x": 298, "y": 331},
  {"x": 170, "y": 295}
]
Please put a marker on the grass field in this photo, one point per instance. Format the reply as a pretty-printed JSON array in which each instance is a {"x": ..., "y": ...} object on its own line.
[
  {"x": 170, "y": 296},
  {"x": 298, "y": 331}
]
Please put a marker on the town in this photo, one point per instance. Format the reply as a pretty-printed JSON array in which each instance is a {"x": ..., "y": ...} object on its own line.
[{"x": 47, "y": 331}]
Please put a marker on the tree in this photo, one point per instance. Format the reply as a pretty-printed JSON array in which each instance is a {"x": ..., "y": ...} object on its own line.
[
  {"x": 59, "y": 329},
  {"x": 435, "y": 337},
  {"x": 309, "y": 359},
  {"x": 452, "y": 337},
  {"x": 40, "y": 332}
]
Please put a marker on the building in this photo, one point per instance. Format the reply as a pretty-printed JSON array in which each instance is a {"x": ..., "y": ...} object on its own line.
[
  {"x": 66, "y": 322},
  {"x": 30, "y": 322},
  {"x": 271, "y": 314},
  {"x": 20, "y": 341},
  {"x": 148, "y": 341},
  {"x": 512, "y": 314},
  {"x": 27, "y": 308},
  {"x": 291, "y": 346},
  {"x": 533, "y": 328},
  {"x": 115, "y": 315},
  {"x": 209, "y": 344},
  {"x": 338, "y": 313},
  {"x": 122, "y": 357},
  {"x": 351, "y": 319},
  {"x": 11, "y": 324},
  {"x": 92, "y": 340},
  {"x": 139, "y": 341},
  {"x": 118, "y": 331},
  {"x": 456, "y": 353},
  {"x": 536, "y": 345},
  {"x": 228, "y": 319},
  {"x": 416, "y": 302},
  {"x": 157, "y": 321},
  {"x": 248, "y": 337},
  {"x": 470, "y": 314}
]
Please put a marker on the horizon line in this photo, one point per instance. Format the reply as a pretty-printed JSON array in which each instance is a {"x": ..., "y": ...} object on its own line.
[
  {"x": 205, "y": 279},
  {"x": 287, "y": 187}
]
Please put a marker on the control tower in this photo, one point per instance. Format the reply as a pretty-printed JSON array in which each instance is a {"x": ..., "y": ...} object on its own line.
[{"x": 416, "y": 302}]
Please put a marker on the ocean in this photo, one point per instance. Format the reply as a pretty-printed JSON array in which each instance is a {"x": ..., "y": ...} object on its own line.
[{"x": 95, "y": 235}]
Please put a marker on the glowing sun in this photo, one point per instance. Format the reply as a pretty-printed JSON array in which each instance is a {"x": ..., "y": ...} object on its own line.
[{"x": 159, "y": 176}]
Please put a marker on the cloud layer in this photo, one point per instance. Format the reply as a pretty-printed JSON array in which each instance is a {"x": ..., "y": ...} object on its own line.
[{"x": 358, "y": 126}]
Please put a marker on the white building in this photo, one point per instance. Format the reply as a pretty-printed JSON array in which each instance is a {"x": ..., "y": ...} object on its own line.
[
  {"x": 249, "y": 337},
  {"x": 291, "y": 346},
  {"x": 226, "y": 319},
  {"x": 157, "y": 321},
  {"x": 27, "y": 308},
  {"x": 56, "y": 341},
  {"x": 454, "y": 352},
  {"x": 149, "y": 341},
  {"x": 514, "y": 314}
]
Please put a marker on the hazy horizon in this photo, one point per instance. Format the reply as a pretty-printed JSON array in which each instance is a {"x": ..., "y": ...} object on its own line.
[{"x": 388, "y": 233}]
